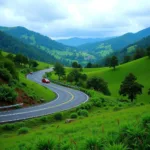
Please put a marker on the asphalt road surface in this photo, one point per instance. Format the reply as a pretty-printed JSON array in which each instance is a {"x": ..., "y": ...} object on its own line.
[{"x": 67, "y": 98}]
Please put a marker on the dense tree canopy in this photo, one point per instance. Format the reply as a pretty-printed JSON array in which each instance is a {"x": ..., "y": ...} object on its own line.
[
  {"x": 130, "y": 87},
  {"x": 114, "y": 62},
  {"x": 59, "y": 70},
  {"x": 98, "y": 84}
]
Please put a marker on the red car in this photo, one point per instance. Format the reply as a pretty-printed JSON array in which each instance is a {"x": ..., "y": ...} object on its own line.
[{"x": 44, "y": 80}]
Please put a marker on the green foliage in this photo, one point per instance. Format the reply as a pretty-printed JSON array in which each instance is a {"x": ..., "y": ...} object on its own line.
[
  {"x": 149, "y": 91},
  {"x": 45, "y": 144},
  {"x": 73, "y": 115},
  {"x": 130, "y": 87},
  {"x": 114, "y": 62},
  {"x": 43, "y": 119},
  {"x": 33, "y": 63},
  {"x": 127, "y": 58},
  {"x": 146, "y": 121},
  {"x": 98, "y": 84},
  {"x": 59, "y": 70},
  {"x": 148, "y": 52},
  {"x": 96, "y": 101},
  {"x": 10, "y": 66},
  {"x": 21, "y": 59},
  {"x": 93, "y": 143},
  {"x": 83, "y": 112},
  {"x": 5, "y": 74},
  {"x": 139, "y": 53},
  {"x": 115, "y": 147},
  {"x": 23, "y": 130},
  {"x": 8, "y": 127},
  {"x": 7, "y": 94},
  {"x": 134, "y": 137},
  {"x": 58, "y": 116},
  {"x": 76, "y": 65}
]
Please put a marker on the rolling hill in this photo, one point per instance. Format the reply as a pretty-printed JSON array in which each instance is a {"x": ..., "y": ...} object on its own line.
[
  {"x": 107, "y": 47},
  {"x": 64, "y": 54},
  {"x": 13, "y": 45}
]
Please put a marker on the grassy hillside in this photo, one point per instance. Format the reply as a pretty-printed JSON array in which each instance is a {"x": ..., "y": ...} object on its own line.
[
  {"x": 140, "y": 68},
  {"x": 74, "y": 135}
]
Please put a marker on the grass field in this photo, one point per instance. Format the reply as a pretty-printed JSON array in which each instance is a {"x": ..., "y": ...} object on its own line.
[{"x": 98, "y": 124}]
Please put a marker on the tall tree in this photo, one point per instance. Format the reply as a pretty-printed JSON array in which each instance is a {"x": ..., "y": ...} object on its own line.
[
  {"x": 130, "y": 87},
  {"x": 59, "y": 70},
  {"x": 114, "y": 62}
]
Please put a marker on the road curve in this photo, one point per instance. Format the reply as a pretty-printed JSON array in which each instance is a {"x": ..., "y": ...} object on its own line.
[{"x": 66, "y": 99}]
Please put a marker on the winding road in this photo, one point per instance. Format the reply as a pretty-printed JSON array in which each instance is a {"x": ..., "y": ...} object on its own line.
[{"x": 67, "y": 98}]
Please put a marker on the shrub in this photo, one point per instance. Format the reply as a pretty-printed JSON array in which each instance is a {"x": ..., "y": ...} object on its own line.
[
  {"x": 98, "y": 84},
  {"x": 146, "y": 121},
  {"x": 7, "y": 93},
  {"x": 8, "y": 127},
  {"x": 46, "y": 144},
  {"x": 23, "y": 130},
  {"x": 83, "y": 112},
  {"x": 58, "y": 116},
  {"x": 93, "y": 144},
  {"x": 43, "y": 119},
  {"x": 134, "y": 137},
  {"x": 115, "y": 147},
  {"x": 5, "y": 74},
  {"x": 96, "y": 101},
  {"x": 73, "y": 115}
]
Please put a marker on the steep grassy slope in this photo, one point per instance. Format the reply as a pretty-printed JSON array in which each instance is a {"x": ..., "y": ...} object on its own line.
[{"x": 140, "y": 68}]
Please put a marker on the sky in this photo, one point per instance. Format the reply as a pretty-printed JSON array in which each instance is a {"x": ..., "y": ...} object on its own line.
[{"x": 76, "y": 18}]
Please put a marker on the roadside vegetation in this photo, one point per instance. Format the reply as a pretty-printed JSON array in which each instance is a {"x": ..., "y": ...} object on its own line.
[{"x": 15, "y": 88}]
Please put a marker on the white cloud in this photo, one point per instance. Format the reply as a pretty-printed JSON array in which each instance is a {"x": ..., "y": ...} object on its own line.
[{"x": 61, "y": 18}]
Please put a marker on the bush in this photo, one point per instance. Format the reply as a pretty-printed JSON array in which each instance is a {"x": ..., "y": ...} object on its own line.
[
  {"x": 58, "y": 116},
  {"x": 93, "y": 144},
  {"x": 7, "y": 94},
  {"x": 83, "y": 112},
  {"x": 46, "y": 144},
  {"x": 86, "y": 106},
  {"x": 5, "y": 74},
  {"x": 146, "y": 121},
  {"x": 23, "y": 130},
  {"x": 43, "y": 119},
  {"x": 98, "y": 84},
  {"x": 115, "y": 147},
  {"x": 134, "y": 137},
  {"x": 96, "y": 101},
  {"x": 73, "y": 115},
  {"x": 8, "y": 127}
]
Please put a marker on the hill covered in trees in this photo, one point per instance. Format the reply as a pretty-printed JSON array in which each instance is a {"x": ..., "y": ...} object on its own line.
[{"x": 13, "y": 45}]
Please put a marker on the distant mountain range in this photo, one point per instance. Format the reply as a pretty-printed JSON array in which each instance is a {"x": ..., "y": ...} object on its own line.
[
  {"x": 117, "y": 43},
  {"x": 43, "y": 48},
  {"x": 80, "y": 41}
]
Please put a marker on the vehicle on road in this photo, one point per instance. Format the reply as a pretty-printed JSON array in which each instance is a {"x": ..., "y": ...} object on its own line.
[{"x": 44, "y": 80}]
